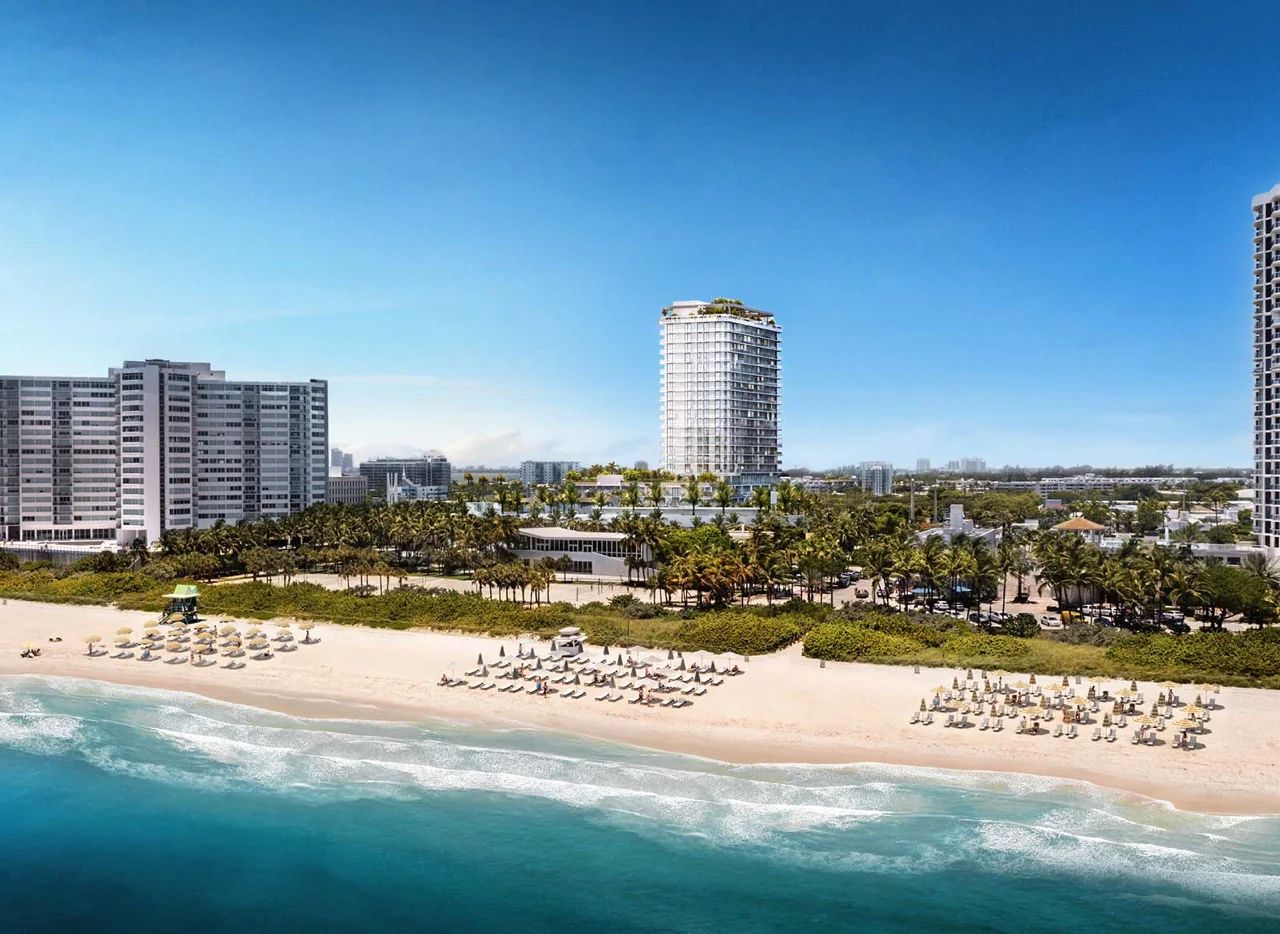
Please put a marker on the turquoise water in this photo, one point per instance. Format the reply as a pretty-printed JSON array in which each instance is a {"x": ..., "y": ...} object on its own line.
[{"x": 138, "y": 810}]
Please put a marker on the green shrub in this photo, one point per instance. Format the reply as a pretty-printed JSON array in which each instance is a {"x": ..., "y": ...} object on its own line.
[
  {"x": 975, "y": 648},
  {"x": 1024, "y": 626},
  {"x": 843, "y": 642}
]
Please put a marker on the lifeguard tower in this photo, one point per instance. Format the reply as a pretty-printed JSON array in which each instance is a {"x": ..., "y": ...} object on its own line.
[
  {"x": 567, "y": 643},
  {"x": 183, "y": 604}
]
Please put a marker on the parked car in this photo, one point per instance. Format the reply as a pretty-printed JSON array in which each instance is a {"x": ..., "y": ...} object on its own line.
[
  {"x": 1105, "y": 621},
  {"x": 862, "y": 593},
  {"x": 1178, "y": 628},
  {"x": 1050, "y": 621}
]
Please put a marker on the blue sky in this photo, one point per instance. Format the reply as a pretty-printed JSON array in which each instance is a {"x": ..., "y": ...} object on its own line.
[{"x": 1011, "y": 230}]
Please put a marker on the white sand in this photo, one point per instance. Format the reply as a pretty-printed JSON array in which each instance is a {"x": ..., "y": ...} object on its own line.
[{"x": 786, "y": 708}]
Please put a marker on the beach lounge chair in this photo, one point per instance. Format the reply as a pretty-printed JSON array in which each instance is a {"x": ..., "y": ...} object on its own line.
[
  {"x": 1177, "y": 741},
  {"x": 699, "y": 692},
  {"x": 634, "y": 700},
  {"x": 1022, "y": 725},
  {"x": 1122, "y": 721},
  {"x": 1160, "y": 723},
  {"x": 951, "y": 720},
  {"x": 985, "y": 724},
  {"x": 1057, "y": 730},
  {"x": 1072, "y": 732},
  {"x": 964, "y": 720},
  {"x": 999, "y": 725},
  {"x": 1111, "y": 735},
  {"x": 1097, "y": 733},
  {"x": 472, "y": 687},
  {"x": 928, "y": 719},
  {"x": 915, "y": 716},
  {"x": 604, "y": 696}
]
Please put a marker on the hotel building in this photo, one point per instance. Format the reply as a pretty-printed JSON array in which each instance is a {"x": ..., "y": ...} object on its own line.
[
  {"x": 720, "y": 390},
  {"x": 156, "y": 445},
  {"x": 1266, "y": 367}
]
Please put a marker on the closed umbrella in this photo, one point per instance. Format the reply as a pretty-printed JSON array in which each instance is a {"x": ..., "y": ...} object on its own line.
[{"x": 502, "y": 651}]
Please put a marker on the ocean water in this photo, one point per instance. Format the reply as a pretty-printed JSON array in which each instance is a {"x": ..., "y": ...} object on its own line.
[{"x": 138, "y": 810}]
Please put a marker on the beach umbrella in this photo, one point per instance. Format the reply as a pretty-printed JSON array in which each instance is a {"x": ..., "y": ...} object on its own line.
[
  {"x": 969, "y": 675},
  {"x": 1133, "y": 686},
  {"x": 151, "y": 624},
  {"x": 520, "y": 650},
  {"x": 1033, "y": 679},
  {"x": 713, "y": 667},
  {"x": 1146, "y": 721},
  {"x": 697, "y": 678},
  {"x": 577, "y": 679},
  {"x": 923, "y": 705},
  {"x": 606, "y": 650},
  {"x": 1168, "y": 685},
  {"x": 174, "y": 647},
  {"x": 1193, "y": 709},
  {"x": 955, "y": 684},
  {"x": 484, "y": 671},
  {"x": 940, "y": 689},
  {"x": 682, "y": 668},
  {"x": 671, "y": 654},
  {"x": 538, "y": 665},
  {"x": 1187, "y": 724},
  {"x": 123, "y": 631},
  {"x": 1106, "y": 719},
  {"x": 1155, "y": 709},
  {"x": 1065, "y": 681},
  {"x": 28, "y": 646},
  {"x": 633, "y": 670},
  {"x": 91, "y": 641},
  {"x": 502, "y": 651},
  {"x": 480, "y": 659}
]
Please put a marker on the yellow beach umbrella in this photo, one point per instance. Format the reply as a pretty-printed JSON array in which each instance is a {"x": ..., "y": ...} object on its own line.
[
  {"x": 1127, "y": 692},
  {"x": 1186, "y": 724},
  {"x": 124, "y": 631},
  {"x": 1148, "y": 721},
  {"x": 284, "y": 625},
  {"x": 174, "y": 647},
  {"x": 1193, "y": 709},
  {"x": 151, "y": 624},
  {"x": 940, "y": 689}
]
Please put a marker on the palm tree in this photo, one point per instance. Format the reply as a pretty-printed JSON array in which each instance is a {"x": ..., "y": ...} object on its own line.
[
  {"x": 693, "y": 493},
  {"x": 724, "y": 494}
]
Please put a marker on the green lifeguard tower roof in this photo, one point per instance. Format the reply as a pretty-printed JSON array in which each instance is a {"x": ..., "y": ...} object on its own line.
[{"x": 183, "y": 592}]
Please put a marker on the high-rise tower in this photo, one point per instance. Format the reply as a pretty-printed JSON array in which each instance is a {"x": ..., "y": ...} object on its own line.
[
  {"x": 1266, "y": 367},
  {"x": 720, "y": 391}
]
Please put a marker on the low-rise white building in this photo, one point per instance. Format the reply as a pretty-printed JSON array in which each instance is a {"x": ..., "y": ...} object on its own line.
[{"x": 598, "y": 553}]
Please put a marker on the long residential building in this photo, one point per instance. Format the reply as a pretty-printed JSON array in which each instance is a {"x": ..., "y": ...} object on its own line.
[
  {"x": 431, "y": 470},
  {"x": 721, "y": 391},
  {"x": 1266, "y": 367},
  {"x": 153, "y": 446},
  {"x": 539, "y": 473}
]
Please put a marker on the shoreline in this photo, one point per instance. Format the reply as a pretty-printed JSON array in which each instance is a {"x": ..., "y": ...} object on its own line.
[{"x": 785, "y": 710}]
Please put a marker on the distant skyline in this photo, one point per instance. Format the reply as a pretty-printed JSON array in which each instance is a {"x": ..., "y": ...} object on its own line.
[{"x": 1001, "y": 230}]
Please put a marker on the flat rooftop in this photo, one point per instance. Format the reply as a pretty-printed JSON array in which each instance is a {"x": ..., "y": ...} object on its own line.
[{"x": 554, "y": 533}]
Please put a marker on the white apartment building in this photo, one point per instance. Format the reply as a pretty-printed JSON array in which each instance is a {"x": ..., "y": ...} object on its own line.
[
  {"x": 720, "y": 388},
  {"x": 876, "y": 477},
  {"x": 550, "y": 473},
  {"x": 156, "y": 445},
  {"x": 1266, "y": 367}
]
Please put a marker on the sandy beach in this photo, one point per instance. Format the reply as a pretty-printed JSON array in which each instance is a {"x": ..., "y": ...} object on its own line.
[{"x": 786, "y": 708}]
